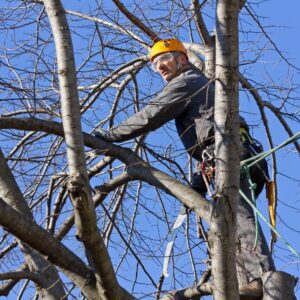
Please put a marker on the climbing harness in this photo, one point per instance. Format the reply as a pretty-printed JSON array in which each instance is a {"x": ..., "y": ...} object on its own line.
[
  {"x": 245, "y": 167},
  {"x": 259, "y": 157},
  {"x": 254, "y": 147},
  {"x": 207, "y": 168}
]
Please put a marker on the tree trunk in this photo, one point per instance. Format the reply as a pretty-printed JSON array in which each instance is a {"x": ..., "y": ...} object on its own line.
[
  {"x": 78, "y": 185},
  {"x": 278, "y": 286},
  {"x": 223, "y": 228},
  {"x": 210, "y": 58}
]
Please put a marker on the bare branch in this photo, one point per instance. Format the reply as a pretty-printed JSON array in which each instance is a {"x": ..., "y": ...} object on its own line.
[
  {"x": 8, "y": 249},
  {"x": 269, "y": 39},
  {"x": 136, "y": 21},
  {"x": 40, "y": 239},
  {"x": 136, "y": 167},
  {"x": 109, "y": 24},
  {"x": 78, "y": 185},
  {"x": 285, "y": 125},
  {"x": 201, "y": 27},
  {"x": 189, "y": 293},
  {"x": 22, "y": 275}
]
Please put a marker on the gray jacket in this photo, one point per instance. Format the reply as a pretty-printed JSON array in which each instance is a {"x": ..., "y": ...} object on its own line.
[{"x": 187, "y": 98}]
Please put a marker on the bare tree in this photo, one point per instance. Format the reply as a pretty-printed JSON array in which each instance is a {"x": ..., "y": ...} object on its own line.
[
  {"x": 223, "y": 225},
  {"x": 85, "y": 218}
]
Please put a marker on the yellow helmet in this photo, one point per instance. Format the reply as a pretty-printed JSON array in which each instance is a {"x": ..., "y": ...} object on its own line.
[{"x": 167, "y": 45}]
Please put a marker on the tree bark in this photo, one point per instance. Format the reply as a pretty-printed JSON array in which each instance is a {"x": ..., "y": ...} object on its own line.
[
  {"x": 78, "y": 185},
  {"x": 50, "y": 286},
  {"x": 55, "y": 252},
  {"x": 223, "y": 227},
  {"x": 278, "y": 286},
  {"x": 210, "y": 58},
  {"x": 138, "y": 169}
]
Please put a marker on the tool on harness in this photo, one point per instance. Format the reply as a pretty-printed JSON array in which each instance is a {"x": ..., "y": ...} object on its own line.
[
  {"x": 252, "y": 161},
  {"x": 270, "y": 191},
  {"x": 208, "y": 167},
  {"x": 248, "y": 140},
  {"x": 259, "y": 172},
  {"x": 257, "y": 175},
  {"x": 246, "y": 166},
  {"x": 202, "y": 180},
  {"x": 173, "y": 233}
]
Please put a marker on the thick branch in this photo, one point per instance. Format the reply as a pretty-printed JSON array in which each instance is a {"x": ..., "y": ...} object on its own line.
[
  {"x": 68, "y": 86},
  {"x": 136, "y": 21},
  {"x": 108, "y": 24},
  {"x": 12, "y": 195},
  {"x": 222, "y": 233},
  {"x": 78, "y": 185},
  {"x": 197, "y": 48},
  {"x": 10, "y": 282},
  {"x": 189, "y": 293},
  {"x": 141, "y": 171},
  {"x": 39, "y": 239},
  {"x": 201, "y": 27},
  {"x": 22, "y": 275},
  {"x": 7, "y": 287}
]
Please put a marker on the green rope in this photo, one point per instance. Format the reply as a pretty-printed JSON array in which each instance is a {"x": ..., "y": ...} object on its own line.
[
  {"x": 252, "y": 187},
  {"x": 245, "y": 168},
  {"x": 272, "y": 228},
  {"x": 257, "y": 158}
]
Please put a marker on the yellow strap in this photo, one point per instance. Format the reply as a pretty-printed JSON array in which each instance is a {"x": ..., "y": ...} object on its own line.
[
  {"x": 245, "y": 137},
  {"x": 270, "y": 191}
]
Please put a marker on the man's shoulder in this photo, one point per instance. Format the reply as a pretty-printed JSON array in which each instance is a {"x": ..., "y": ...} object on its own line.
[
  {"x": 186, "y": 75},
  {"x": 188, "y": 80},
  {"x": 193, "y": 77}
]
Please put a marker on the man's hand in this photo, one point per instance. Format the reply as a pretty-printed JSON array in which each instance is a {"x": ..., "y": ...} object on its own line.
[{"x": 102, "y": 134}]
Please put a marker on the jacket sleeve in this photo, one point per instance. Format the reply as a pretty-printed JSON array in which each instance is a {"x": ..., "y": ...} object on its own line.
[{"x": 171, "y": 102}]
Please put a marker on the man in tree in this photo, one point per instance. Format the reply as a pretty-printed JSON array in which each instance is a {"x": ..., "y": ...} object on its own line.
[{"x": 188, "y": 98}]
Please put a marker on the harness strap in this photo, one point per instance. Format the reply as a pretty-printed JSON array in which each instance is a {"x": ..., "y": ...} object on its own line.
[
  {"x": 245, "y": 167},
  {"x": 270, "y": 190},
  {"x": 270, "y": 187},
  {"x": 179, "y": 221}
]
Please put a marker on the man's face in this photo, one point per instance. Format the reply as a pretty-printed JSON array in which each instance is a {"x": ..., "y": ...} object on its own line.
[{"x": 166, "y": 65}]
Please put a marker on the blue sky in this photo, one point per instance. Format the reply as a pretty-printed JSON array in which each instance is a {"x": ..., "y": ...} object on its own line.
[
  {"x": 286, "y": 36},
  {"x": 281, "y": 21}
]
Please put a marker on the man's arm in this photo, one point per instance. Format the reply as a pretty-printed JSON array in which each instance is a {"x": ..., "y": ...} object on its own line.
[{"x": 171, "y": 102}]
